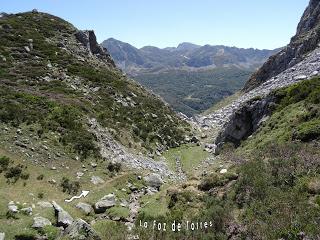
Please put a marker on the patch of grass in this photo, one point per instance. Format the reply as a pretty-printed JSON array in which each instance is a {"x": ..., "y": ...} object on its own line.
[
  {"x": 190, "y": 157},
  {"x": 111, "y": 230},
  {"x": 120, "y": 212}
]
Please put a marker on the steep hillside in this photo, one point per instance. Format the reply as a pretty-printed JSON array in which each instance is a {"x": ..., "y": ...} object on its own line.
[
  {"x": 305, "y": 40},
  {"x": 189, "y": 76},
  {"x": 70, "y": 121},
  {"x": 58, "y": 77}
]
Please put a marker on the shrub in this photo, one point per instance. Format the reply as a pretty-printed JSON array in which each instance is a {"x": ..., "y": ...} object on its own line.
[
  {"x": 71, "y": 187},
  {"x": 40, "y": 195},
  {"x": 308, "y": 131},
  {"x": 114, "y": 167},
  {"x": 14, "y": 173},
  {"x": 4, "y": 163},
  {"x": 40, "y": 177}
]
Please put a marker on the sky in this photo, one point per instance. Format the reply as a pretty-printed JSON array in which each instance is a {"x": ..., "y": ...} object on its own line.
[{"x": 264, "y": 24}]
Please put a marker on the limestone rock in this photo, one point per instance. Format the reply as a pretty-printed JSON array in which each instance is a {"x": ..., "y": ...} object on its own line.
[
  {"x": 63, "y": 218},
  {"x": 80, "y": 229},
  {"x": 27, "y": 211},
  {"x": 104, "y": 203},
  {"x": 2, "y": 236},
  {"x": 40, "y": 222},
  {"x": 153, "y": 180},
  {"x": 96, "y": 180},
  {"x": 85, "y": 208},
  {"x": 306, "y": 40}
]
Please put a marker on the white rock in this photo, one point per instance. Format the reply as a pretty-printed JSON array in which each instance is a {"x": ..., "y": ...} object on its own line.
[{"x": 223, "y": 171}]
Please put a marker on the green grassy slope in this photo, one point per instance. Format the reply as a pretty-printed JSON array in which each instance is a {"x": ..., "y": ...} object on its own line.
[{"x": 38, "y": 86}]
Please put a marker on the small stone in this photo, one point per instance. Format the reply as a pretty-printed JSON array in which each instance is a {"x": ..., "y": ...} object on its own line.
[
  {"x": 94, "y": 165},
  {"x": 52, "y": 181},
  {"x": 80, "y": 174},
  {"x": 2, "y": 236},
  {"x": 13, "y": 208},
  {"x": 27, "y": 48},
  {"x": 27, "y": 211},
  {"x": 223, "y": 171}
]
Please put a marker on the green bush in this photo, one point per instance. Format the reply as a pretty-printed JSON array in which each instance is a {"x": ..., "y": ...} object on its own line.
[
  {"x": 4, "y": 163},
  {"x": 308, "y": 131},
  {"x": 114, "y": 167},
  {"x": 71, "y": 187},
  {"x": 14, "y": 173}
]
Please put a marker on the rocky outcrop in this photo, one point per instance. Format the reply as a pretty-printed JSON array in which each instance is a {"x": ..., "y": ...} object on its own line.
[
  {"x": 245, "y": 120},
  {"x": 80, "y": 229},
  {"x": 153, "y": 180},
  {"x": 63, "y": 218},
  {"x": 89, "y": 40},
  {"x": 85, "y": 208},
  {"x": 306, "y": 39},
  {"x": 104, "y": 203},
  {"x": 240, "y": 118},
  {"x": 40, "y": 222},
  {"x": 111, "y": 149}
]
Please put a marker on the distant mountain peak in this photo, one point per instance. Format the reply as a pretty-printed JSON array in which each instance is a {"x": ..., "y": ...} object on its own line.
[{"x": 187, "y": 46}]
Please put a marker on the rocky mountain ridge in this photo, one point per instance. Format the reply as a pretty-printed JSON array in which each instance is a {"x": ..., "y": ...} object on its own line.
[
  {"x": 242, "y": 117},
  {"x": 185, "y": 56},
  {"x": 306, "y": 39},
  {"x": 189, "y": 77}
]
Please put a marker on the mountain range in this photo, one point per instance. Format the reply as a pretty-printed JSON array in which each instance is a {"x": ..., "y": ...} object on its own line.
[{"x": 191, "y": 78}]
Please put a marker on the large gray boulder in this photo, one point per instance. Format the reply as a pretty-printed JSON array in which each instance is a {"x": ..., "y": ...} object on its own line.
[
  {"x": 104, "y": 203},
  {"x": 63, "y": 218},
  {"x": 40, "y": 222},
  {"x": 153, "y": 180},
  {"x": 2, "y": 236},
  {"x": 85, "y": 208},
  {"x": 80, "y": 229}
]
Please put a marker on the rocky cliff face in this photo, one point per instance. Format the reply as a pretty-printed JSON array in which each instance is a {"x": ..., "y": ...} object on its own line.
[
  {"x": 306, "y": 39},
  {"x": 89, "y": 40}
]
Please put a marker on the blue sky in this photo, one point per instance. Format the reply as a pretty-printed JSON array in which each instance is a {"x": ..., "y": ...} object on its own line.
[{"x": 163, "y": 23}]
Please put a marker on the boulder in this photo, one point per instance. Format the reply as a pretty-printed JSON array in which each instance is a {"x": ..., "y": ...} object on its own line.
[
  {"x": 63, "y": 218},
  {"x": 153, "y": 180},
  {"x": 85, "y": 208},
  {"x": 40, "y": 222},
  {"x": 2, "y": 236},
  {"x": 27, "y": 211},
  {"x": 104, "y": 203},
  {"x": 12, "y": 208},
  {"x": 96, "y": 180},
  {"x": 80, "y": 229}
]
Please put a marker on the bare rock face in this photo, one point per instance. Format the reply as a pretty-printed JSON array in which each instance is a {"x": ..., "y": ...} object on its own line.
[
  {"x": 89, "y": 40},
  {"x": 306, "y": 40}
]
